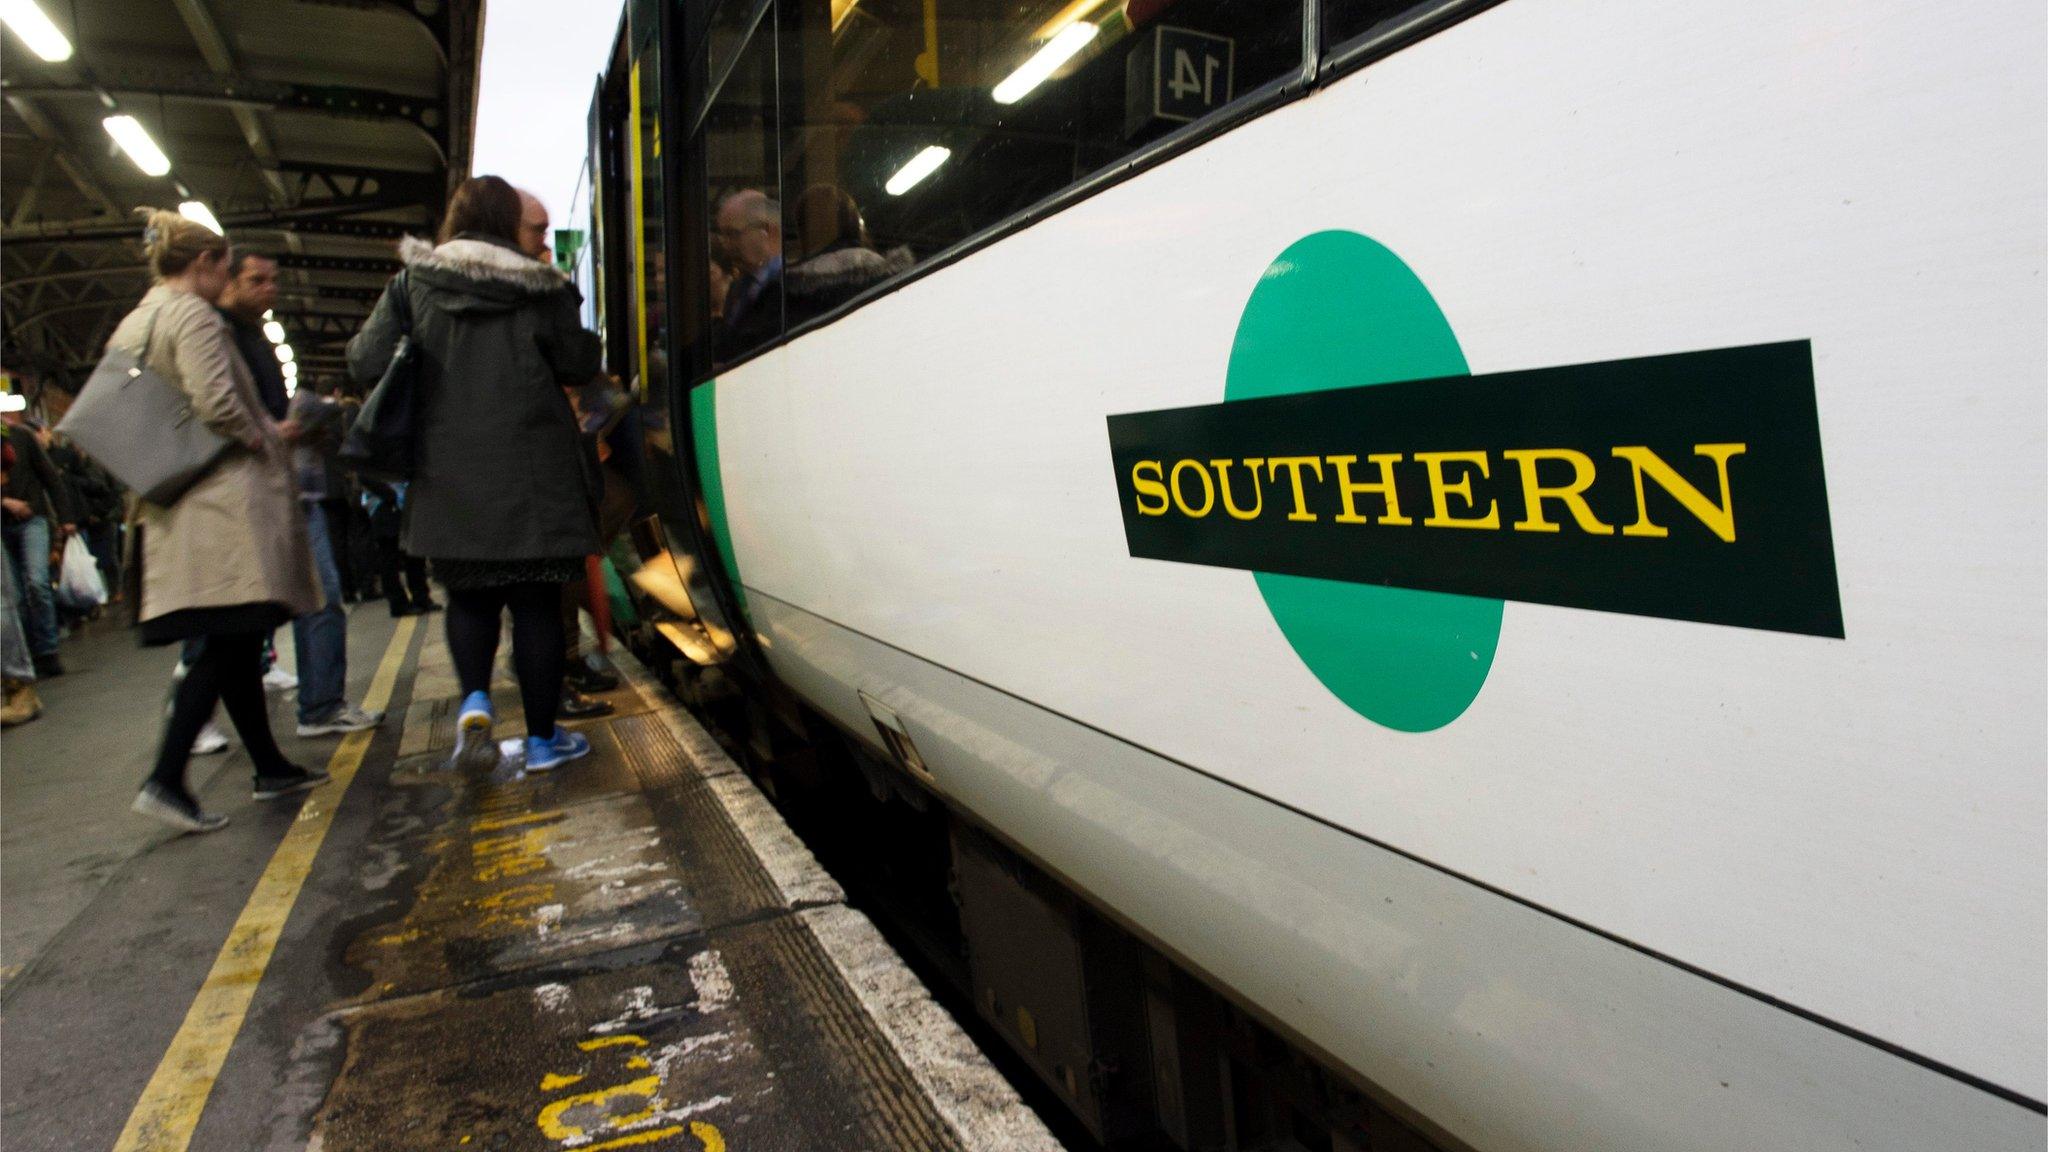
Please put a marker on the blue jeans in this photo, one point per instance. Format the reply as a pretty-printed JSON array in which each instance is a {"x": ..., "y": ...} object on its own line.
[
  {"x": 321, "y": 636},
  {"x": 28, "y": 551},
  {"x": 14, "y": 659}
]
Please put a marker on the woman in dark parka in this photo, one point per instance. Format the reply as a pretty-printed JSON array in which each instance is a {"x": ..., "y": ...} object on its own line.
[{"x": 497, "y": 503}]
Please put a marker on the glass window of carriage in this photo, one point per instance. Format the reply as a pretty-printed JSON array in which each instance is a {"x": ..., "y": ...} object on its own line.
[
  {"x": 743, "y": 208},
  {"x": 908, "y": 125},
  {"x": 1355, "y": 29}
]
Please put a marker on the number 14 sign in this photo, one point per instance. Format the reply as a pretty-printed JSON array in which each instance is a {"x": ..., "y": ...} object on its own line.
[{"x": 1191, "y": 74}]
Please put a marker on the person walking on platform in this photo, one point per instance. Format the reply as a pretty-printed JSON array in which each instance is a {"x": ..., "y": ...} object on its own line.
[
  {"x": 38, "y": 508},
  {"x": 228, "y": 559},
  {"x": 497, "y": 503}
]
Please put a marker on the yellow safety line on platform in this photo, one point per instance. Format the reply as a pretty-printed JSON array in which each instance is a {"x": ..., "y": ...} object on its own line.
[{"x": 167, "y": 1114}]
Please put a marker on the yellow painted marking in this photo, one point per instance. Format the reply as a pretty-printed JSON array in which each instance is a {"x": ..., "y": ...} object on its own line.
[
  {"x": 552, "y": 1125},
  {"x": 554, "y": 1080},
  {"x": 640, "y": 1138},
  {"x": 638, "y": 1064},
  {"x": 167, "y": 1113},
  {"x": 611, "y": 1042},
  {"x": 713, "y": 1139},
  {"x": 514, "y": 821}
]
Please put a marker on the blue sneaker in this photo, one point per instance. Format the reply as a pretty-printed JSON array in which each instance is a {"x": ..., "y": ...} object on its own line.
[
  {"x": 475, "y": 751},
  {"x": 548, "y": 755}
]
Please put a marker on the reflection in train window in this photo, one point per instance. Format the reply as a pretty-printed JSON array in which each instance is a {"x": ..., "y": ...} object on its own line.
[
  {"x": 908, "y": 125},
  {"x": 743, "y": 211},
  {"x": 1346, "y": 20}
]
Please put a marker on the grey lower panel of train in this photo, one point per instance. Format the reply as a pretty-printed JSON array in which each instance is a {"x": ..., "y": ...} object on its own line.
[{"x": 1508, "y": 1028}]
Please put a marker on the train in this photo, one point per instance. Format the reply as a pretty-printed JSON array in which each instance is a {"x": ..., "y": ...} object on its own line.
[{"x": 1374, "y": 574}]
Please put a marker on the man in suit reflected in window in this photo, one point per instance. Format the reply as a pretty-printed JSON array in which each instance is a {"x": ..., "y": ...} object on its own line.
[{"x": 746, "y": 237}]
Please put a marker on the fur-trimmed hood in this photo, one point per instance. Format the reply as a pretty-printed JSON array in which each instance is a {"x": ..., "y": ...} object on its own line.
[{"x": 480, "y": 266}]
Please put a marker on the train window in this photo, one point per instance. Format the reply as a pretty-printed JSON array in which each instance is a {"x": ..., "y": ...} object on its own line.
[
  {"x": 744, "y": 212},
  {"x": 1363, "y": 23},
  {"x": 908, "y": 125}
]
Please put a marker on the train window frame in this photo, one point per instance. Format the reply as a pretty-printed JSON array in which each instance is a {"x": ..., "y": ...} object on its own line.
[
  {"x": 1422, "y": 20},
  {"x": 1320, "y": 65}
]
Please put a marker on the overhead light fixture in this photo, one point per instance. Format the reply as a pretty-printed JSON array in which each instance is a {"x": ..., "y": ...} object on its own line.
[
  {"x": 134, "y": 139},
  {"x": 36, "y": 31},
  {"x": 274, "y": 330},
  {"x": 1077, "y": 10},
  {"x": 197, "y": 212},
  {"x": 1045, "y": 62},
  {"x": 921, "y": 165},
  {"x": 284, "y": 353}
]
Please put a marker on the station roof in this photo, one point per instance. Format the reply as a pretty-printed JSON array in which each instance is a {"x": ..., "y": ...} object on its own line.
[{"x": 317, "y": 131}]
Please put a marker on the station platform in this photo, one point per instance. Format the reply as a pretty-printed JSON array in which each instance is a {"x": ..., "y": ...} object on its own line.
[{"x": 632, "y": 952}]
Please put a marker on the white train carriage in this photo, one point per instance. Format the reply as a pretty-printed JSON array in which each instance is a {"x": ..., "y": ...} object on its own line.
[{"x": 1506, "y": 541}]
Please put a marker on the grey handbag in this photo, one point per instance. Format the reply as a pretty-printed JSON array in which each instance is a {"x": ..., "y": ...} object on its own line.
[{"x": 141, "y": 427}]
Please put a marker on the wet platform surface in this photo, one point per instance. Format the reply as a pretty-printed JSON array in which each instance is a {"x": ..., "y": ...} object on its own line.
[{"x": 633, "y": 952}]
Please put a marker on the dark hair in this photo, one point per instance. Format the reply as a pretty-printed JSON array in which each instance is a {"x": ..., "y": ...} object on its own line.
[
  {"x": 242, "y": 257},
  {"x": 485, "y": 205}
]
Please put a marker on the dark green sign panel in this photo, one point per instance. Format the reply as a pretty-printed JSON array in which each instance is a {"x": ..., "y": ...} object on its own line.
[{"x": 1688, "y": 487}]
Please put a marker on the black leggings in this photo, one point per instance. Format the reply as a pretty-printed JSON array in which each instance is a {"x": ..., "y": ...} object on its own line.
[
  {"x": 228, "y": 670},
  {"x": 536, "y": 645}
]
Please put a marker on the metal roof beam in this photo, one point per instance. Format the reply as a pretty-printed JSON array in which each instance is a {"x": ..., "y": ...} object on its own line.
[
  {"x": 214, "y": 47},
  {"x": 47, "y": 131},
  {"x": 428, "y": 113},
  {"x": 78, "y": 231}
]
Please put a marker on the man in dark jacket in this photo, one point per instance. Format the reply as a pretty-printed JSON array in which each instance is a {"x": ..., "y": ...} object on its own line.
[
  {"x": 38, "y": 506},
  {"x": 250, "y": 295}
]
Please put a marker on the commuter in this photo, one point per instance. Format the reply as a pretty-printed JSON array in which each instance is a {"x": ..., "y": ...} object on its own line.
[
  {"x": 96, "y": 498},
  {"x": 579, "y": 677},
  {"x": 496, "y": 502},
  {"x": 17, "y": 669},
  {"x": 245, "y": 303},
  {"x": 37, "y": 516},
  {"x": 321, "y": 637},
  {"x": 228, "y": 560},
  {"x": 836, "y": 260},
  {"x": 747, "y": 238},
  {"x": 403, "y": 575}
]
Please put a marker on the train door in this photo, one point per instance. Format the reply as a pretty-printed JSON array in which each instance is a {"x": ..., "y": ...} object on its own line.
[{"x": 679, "y": 593}]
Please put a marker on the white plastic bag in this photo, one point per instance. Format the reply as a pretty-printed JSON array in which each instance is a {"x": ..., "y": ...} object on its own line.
[{"x": 79, "y": 587}]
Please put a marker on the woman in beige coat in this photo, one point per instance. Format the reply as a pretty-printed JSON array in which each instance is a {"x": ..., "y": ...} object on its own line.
[{"x": 228, "y": 561}]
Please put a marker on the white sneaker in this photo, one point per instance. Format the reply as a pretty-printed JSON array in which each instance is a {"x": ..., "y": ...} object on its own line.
[
  {"x": 347, "y": 718},
  {"x": 279, "y": 680},
  {"x": 211, "y": 740}
]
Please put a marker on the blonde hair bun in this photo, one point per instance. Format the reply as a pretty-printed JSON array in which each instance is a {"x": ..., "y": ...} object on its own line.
[{"x": 171, "y": 243}]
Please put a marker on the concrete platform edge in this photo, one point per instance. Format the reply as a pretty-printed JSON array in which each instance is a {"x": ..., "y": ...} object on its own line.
[{"x": 984, "y": 1110}]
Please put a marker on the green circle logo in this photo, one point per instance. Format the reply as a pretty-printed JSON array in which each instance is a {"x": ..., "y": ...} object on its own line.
[{"x": 1338, "y": 310}]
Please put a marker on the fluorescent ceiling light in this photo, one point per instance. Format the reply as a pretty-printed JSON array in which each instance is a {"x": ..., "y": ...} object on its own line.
[
  {"x": 274, "y": 330},
  {"x": 1045, "y": 62},
  {"x": 284, "y": 353},
  {"x": 291, "y": 371},
  {"x": 35, "y": 30},
  {"x": 134, "y": 139},
  {"x": 1077, "y": 10},
  {"x": 921, "y": 165},
  {"x": 197, "y": 212}
]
